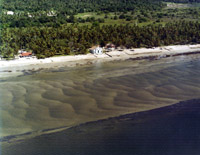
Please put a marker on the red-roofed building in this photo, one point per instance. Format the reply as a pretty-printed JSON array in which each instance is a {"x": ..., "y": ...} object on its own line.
[{"x": 25, "y": 54}]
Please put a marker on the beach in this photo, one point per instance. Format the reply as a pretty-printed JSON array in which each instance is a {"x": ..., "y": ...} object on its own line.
[
  {"x": 67, "y": 96},
  {"x": 46, "y": 101},
  {"x": 74, "y": 60}
]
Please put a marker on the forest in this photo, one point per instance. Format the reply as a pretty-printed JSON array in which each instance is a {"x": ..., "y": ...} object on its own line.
[
  {"x": 64, "y": 27},
  {"x": 46, "y": 42},
  {"x": 58, "y": 12},
  {"x": 79, "y": 6}
]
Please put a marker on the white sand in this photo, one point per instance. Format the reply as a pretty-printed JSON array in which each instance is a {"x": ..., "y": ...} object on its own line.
[{"x": 33, "y": 63}]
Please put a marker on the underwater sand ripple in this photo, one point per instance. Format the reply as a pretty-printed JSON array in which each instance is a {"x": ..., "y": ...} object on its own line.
[{"x": 70, "y": 97}]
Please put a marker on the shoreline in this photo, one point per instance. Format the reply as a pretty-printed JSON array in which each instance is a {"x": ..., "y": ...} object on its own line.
[
  {"x": 11, "y": 139},
  {"x": 51, "y": 130},
  {"x": 71, "y": 61},
  {"x": 125, "y": 127}
]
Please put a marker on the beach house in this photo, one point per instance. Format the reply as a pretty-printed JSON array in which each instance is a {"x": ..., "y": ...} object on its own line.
[
  {"x": 110, "y": 47},
  {"x": 96, "y": 50},
  {"x": 21, "y": 51},
  {"x": 23, "y": 54}
]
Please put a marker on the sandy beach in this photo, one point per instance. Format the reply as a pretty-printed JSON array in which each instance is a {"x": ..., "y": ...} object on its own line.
[{"x": 137, "y": 53}]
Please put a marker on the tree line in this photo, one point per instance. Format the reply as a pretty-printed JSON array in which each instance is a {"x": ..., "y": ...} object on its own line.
[
  {"x": 79, "y": 6},
  {"x": 74, "y": 39}
]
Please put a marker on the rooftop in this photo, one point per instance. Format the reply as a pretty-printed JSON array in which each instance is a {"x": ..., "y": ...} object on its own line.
[{"x": 26, "y": 54}]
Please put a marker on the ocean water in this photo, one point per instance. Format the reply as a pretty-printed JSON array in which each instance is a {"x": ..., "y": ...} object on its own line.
[
  {"x": 68, "y": 96},
  {"x": 169, "y": 130}
]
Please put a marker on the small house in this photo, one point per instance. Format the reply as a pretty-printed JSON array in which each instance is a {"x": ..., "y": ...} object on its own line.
[
  {"x": 29, "y": 15},
  {"x": 96, "y": 50},
  {"x": 110, "y": 47},
  {"x": 25, "y": 54},
  {"x": 51, "y": 13},
  {"x": 10, "y": 13},
  {"x": 21, "y": 51}
]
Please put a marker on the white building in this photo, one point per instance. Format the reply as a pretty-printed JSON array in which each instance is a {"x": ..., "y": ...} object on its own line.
[
  {"x": 29, "y": 15},
  {"x": 10, "y": 13},
  {"x": 96, "y": 50},
  {"x": 51, "y": 13},
  {"x": 21, "y": 51}
]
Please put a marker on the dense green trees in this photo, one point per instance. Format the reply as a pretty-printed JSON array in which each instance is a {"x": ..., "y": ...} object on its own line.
[
  {"x": 80, "y": 6},
  {"x": 41, "y": 12},
  {"x": 42, "y": 25},
  {"x": 49, "y": 41},
  {"x": 54, "y": 13}
]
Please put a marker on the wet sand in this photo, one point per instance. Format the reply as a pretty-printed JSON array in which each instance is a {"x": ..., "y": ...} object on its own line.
[
  {"x": 32, "y": 64},
  {"x": 39, "y": 102},
  {"x": 170, "y": 130},
  {"x": 65, "y": 97}
]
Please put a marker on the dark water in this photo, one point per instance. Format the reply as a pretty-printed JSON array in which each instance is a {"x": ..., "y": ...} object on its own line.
[
  {"x": 47, "y": 100},
  {"x": 172, "y": 130}
]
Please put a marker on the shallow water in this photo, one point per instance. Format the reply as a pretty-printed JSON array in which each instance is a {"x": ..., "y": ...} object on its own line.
[
  {"x": 169, "y": 130},
  {"x": 53, "y": 98}
]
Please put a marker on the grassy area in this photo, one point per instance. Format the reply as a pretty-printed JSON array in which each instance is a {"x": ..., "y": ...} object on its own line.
[
  {"x": 93, "y": 14},
  {"x": 89, "y": 14},
  {"x": 171, "y": 5},
  {"x": 173, "y": 12},
  {"x": 108, "y": 18}
]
